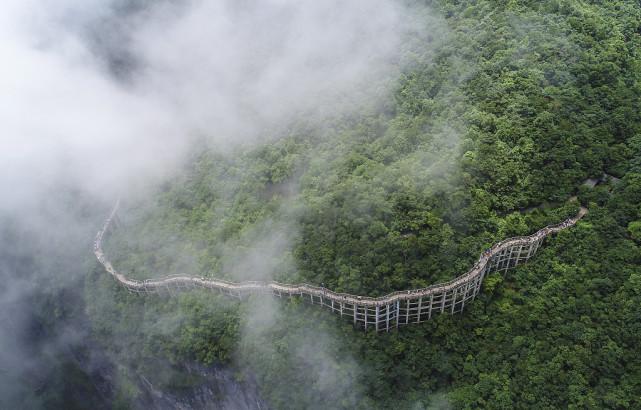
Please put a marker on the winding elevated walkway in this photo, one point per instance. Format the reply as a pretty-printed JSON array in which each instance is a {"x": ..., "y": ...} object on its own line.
[{"x": 381, "y": 313}]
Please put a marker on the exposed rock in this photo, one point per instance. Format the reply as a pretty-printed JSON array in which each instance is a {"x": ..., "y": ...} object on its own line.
[{"x": 218, "y": 390}]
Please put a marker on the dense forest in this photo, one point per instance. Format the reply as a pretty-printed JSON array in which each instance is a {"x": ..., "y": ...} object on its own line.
[{"x": 483, "y": 136}]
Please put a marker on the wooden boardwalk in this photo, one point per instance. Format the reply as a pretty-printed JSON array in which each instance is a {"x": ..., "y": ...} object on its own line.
[{"x": 381, "y": 313}]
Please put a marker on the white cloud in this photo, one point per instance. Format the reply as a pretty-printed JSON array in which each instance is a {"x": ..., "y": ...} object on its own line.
[{"x": 102, "y": 93}]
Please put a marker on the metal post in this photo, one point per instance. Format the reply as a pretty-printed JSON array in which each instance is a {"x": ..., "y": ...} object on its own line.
[
  {"x": 377, "y": 309},
  {"x": 365, "y": 310},
  {"x": 387, "y": 318},
  {"x": 467, "y": 288},
  {"x": 454, "y": 299},
  {"x": 398, "y": 311},
  {"x": 476, "y": 286},
  {"x": 354, "y": 311},
  {"x": 509, "y": 259},
  {"x": 407, "y": 311},
  {"x": 529, "y": 251}
]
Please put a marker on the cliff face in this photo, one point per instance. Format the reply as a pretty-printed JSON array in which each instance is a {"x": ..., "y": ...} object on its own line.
[{"x": 217, "y": 388}]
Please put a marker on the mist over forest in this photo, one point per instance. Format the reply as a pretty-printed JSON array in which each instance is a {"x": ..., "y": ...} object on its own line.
[{"x": 368, "y": 147}]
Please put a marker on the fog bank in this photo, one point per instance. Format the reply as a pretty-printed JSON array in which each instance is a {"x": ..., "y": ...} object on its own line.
[{"x": 105, "y": 97}]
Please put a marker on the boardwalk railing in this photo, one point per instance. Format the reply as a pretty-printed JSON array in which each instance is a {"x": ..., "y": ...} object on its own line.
[{"x": 380, "y": 313}]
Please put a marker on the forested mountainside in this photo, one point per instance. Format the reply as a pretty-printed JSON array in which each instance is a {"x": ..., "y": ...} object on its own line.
[{"x": 486, "y": 134}]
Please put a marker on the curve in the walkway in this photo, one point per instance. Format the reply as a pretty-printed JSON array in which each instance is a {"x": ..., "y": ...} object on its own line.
[{"x": 380, "y": 313}]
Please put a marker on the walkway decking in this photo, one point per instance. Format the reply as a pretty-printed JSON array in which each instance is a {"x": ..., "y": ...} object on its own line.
[{"x": 381, "y": 313}]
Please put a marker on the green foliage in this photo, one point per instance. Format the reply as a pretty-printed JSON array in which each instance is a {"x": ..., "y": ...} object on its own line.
[
  {"x": 484, "y": 138},
  {"x": 634, "y": 228}
]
